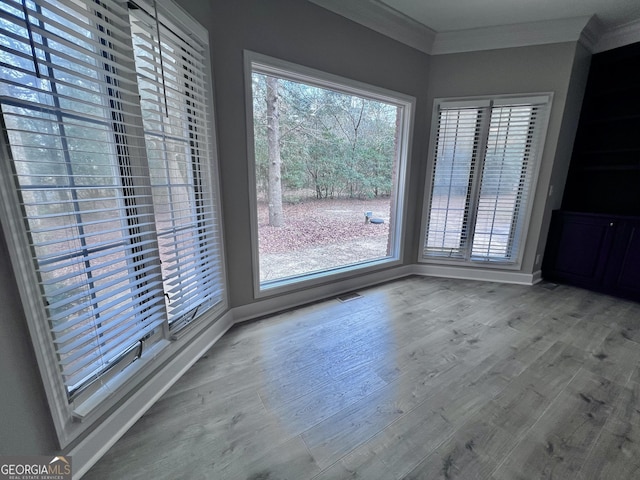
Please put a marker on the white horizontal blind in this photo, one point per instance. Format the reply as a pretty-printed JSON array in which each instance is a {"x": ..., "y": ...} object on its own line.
[
  {"x": 506, "y": 182},
  {"x": 455, "y": 162},
  {"x": 68, "y": 98},
  {"x": 173, "y": 91},
  {"x": 484, "y": 169}
]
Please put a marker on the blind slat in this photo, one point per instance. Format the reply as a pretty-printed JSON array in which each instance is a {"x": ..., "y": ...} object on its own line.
[
  {"x": 120, "y": 344},
  {"x": 77, "y": 337},
  {"x": 93, "y": 297}
]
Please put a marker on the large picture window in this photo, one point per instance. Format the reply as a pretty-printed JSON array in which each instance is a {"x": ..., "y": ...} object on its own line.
[
  {"x": 110, "y": 198},
  {"x": 329, "y": 158},
  {"x": 485, "y": 162}
]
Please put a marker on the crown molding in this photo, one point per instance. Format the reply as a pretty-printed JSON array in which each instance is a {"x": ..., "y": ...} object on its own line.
[
  {"x": 618, "y": 37},
  {"x": 589, "y": 31},
  {"x": 508, "y": 36},
  {"x": 383, "y": 19}
]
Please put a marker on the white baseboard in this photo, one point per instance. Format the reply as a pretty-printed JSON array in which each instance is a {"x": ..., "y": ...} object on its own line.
[
  {"x": 480, "y": 274},
  {"x": 270, "y": 305},
  {"x": 107, "y": 432},
  {"x": 536, "y": 277}
]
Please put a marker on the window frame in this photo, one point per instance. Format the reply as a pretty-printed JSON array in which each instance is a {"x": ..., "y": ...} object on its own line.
[
  {"x": 484, "y": 101},
  {"x": 73, "y": 418},
  {"x": 321, "y": 79}
]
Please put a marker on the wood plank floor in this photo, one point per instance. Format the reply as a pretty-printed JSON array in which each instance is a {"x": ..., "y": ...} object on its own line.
[{"x": 422, "y": 378}]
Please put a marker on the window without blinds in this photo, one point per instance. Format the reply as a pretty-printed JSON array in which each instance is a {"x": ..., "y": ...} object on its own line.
[
  {"x": 121, "y": 225},
  {"x": 485, "y": 163}
]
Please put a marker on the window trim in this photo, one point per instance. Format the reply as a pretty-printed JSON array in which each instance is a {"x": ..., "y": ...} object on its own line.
[
  {"x": 319, "y": 78},
  {"x": 72, "y": 419},
  {"x": 483, "y": 101}
]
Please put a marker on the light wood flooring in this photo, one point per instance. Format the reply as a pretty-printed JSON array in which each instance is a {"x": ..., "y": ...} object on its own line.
[{"x": 422, "y": 378}]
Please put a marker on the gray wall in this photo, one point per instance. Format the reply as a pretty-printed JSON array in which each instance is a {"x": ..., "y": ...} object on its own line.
[
  {"x": 26, "y": 426},
  {"x": 543, "y": 68},
  {"x": 303, "y": 33}
]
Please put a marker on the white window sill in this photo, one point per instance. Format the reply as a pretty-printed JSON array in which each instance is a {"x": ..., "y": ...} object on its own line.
[{"x": 112, "y": 390}]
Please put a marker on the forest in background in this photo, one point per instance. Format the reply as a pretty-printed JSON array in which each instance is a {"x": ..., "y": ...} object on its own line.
[{"x": 333, "y": 144}]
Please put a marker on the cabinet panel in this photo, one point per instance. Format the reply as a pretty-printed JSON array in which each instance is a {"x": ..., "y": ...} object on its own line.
[
  {"x": 599, "y": 252},
  {"x": 623, "y": 273},
  {"x": 581, "y": 246}
]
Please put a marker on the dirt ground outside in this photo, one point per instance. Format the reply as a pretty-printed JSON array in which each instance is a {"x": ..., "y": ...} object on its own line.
[{"x": 321, "y": 235}]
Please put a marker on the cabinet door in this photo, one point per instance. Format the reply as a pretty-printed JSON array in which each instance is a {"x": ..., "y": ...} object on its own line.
[
  {"x": 579, "y": 249},
  {"x": 623, "y": 271}
]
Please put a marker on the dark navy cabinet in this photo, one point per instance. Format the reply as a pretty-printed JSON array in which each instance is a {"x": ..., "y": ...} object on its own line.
[
  {"x": 622, "y": 276},
  {"x": 599, "y": 247},
  {"x": 595, "y": 251}
]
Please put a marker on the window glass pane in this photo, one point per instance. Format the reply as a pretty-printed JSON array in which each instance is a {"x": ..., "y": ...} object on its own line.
[
  {"x": 456, "y": 145},
  {"x": 503, "y": 177},
  {"x": 326, "y": 166}
]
